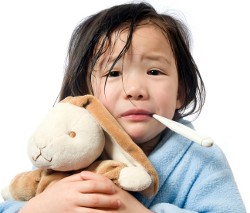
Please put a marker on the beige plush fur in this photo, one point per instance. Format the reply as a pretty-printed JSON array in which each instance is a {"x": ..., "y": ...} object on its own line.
[{"x": 80, "y": 134}]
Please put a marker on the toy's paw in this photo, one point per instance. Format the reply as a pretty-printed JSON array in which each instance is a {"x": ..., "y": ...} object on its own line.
[
  {"x": 6, "y": 194},
  {"x": 134, "y": 179}
]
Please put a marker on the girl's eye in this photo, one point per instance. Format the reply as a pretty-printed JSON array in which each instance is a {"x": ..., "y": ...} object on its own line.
[
  {"x": 154, "y": 72},
  {"x": 114, "y": 73}
]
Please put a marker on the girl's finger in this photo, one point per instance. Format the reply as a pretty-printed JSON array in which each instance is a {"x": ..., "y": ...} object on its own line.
[
  {"x": 74, "y": 177},
  {"x": 100, "y": 201},
  {"x": 93, "y": 186},
  {"x": 88, "y": 182},
  {"x": 96, "y": 183}
]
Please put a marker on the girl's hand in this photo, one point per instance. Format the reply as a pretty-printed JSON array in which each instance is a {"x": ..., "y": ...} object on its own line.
[
  {"x": 127, "y": 203},
  {"x": 76, "y": 193}
]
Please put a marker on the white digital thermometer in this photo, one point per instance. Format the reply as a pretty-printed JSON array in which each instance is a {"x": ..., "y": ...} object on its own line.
[{"x": 184, "y": 131}]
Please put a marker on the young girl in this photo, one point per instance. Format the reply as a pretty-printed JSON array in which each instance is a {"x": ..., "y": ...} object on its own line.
[{"x": 138, "y": 63}]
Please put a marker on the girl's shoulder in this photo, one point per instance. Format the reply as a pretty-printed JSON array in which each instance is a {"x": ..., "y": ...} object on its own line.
[{"x": 176, "y": 148}]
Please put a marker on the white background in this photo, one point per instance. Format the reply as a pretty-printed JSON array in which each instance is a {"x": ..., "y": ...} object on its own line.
[{"x": 34, "y": 36}]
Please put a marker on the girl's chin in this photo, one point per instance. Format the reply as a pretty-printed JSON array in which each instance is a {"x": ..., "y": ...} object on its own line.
[
  {"x": 141, "y": 138},
  {"x": 137, "y": 138},
  {"x": 141, "y": 132}
]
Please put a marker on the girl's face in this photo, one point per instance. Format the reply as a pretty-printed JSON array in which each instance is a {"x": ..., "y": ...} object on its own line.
[{"x": 143, "y": 82}]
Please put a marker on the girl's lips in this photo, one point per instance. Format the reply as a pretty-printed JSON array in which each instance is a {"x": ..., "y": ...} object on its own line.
[{"x": 136, "y": 115}]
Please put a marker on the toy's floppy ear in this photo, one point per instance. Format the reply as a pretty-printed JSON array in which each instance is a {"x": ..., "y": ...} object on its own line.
[{"x": 119, "y": 145}]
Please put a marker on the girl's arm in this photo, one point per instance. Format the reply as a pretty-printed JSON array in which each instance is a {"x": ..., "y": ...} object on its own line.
[
  {"x": 201, "y": 181},
  {"x": 217, "y": 192},
  {"x": 79, "y": 193}
]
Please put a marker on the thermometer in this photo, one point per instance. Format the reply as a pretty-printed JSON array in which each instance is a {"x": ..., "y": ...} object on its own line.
[{"x": 184, "y": 131}]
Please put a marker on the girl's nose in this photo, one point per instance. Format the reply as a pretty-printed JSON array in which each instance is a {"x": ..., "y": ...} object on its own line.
[{"x": 135, "y": 90}]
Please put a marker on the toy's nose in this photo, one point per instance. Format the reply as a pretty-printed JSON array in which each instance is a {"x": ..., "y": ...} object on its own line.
[{"x": 72, "y": 134}]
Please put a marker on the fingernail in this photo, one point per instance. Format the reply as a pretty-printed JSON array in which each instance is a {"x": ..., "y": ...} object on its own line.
[
  {"x": 83, "y": 174},
  {"x": 118, "y": 203},
  {"x": 113, "y": 190}
]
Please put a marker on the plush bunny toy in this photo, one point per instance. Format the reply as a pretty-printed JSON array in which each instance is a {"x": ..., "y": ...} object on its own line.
[{"x": 79, "y": 133}]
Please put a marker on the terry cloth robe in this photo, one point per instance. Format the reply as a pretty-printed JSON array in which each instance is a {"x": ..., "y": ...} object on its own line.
[{"x": 192, "y": 178}]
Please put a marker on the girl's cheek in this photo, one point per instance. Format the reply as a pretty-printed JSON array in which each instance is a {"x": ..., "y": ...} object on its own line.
[{"x": 96, "y": 85}]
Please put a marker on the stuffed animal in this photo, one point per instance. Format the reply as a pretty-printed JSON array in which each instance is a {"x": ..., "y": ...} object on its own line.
[{"x": 80, "y": 134}]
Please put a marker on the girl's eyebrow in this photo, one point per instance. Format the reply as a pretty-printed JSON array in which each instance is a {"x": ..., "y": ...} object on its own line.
[
  {"x": 107, "y": 61},
  {"x": 156, "y": 57}
]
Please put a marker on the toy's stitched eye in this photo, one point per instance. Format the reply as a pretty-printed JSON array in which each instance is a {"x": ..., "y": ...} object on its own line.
[{"x": 72, "y": 134}]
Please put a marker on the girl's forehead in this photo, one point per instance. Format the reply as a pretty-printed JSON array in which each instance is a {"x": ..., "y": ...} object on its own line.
[
  {"x": 119, "y": 38},
  {"x": 148, "y": 41},
  {"x": 123, "y": 31},
  {"x": 141, "y": 29}
]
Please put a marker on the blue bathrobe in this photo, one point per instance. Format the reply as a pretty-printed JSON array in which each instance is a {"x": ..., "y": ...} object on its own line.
[{"x": 192, "y": 178}]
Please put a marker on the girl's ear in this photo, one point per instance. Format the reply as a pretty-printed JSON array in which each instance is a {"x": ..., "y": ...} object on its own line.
[
  {"x": 178, "y": 104},
  {"x": 180, "y": 97}
]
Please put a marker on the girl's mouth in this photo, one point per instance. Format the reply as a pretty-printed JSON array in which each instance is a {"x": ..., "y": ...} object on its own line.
[{"x": 136, "y": 115}]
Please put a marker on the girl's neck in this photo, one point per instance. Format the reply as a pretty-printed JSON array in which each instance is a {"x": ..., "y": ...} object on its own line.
[{"x": 148, "y": 146}]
